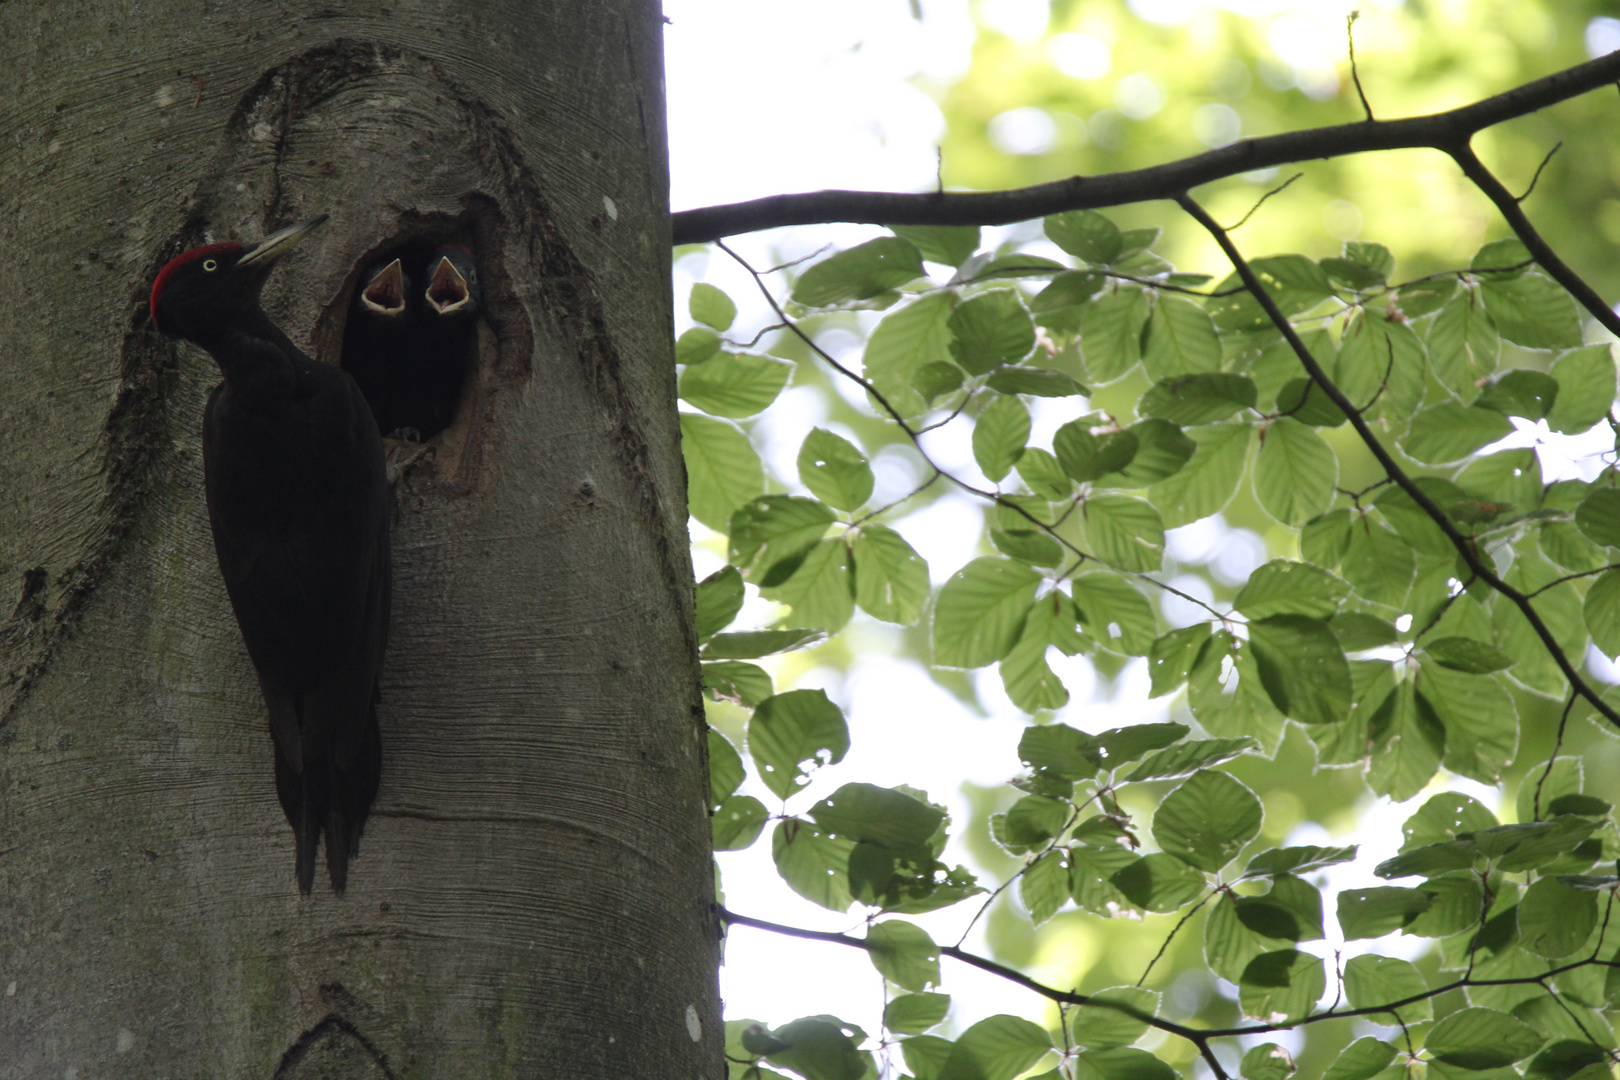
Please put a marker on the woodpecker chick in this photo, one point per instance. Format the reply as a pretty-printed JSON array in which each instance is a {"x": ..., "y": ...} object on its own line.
[
  {"x": 385, "y": 291},
  {"x": 452, "y": 292},
  {"x": 298, "y": 503}
]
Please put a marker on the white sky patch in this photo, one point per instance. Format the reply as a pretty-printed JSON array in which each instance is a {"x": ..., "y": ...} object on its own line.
[
  {"x": 1022, "y": 20},
  {"x": 1028, "y": 130},
  {"x": 1080, "y": 56}
]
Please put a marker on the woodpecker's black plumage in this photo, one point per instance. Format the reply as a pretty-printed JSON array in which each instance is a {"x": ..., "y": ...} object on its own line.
[
  {"x": 411, "y": 334},
  {"x": 299, "y": 504}
]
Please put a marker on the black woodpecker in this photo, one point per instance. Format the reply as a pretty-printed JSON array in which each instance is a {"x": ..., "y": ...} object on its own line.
[{"x": 299, "y": 506}]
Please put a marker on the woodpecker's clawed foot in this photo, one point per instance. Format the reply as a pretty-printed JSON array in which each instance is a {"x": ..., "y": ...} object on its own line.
[
  {"x": 401, "y": 456},
  {"x": 384, "y": 294}
]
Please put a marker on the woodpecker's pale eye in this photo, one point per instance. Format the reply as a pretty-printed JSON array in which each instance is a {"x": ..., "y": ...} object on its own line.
[{"x": 209, "y": 265}]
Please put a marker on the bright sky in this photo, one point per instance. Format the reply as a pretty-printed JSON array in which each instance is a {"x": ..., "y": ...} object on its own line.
[{"x": 767, "y": 96}]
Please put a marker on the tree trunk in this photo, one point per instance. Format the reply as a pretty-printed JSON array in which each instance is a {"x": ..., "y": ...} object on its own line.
[{"x": 532, "y": 894}]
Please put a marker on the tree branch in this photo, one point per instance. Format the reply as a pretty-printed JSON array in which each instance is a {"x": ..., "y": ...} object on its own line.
[
  {"x": 1465, "y": 547},
  {"x": 1446, "y": 131}
]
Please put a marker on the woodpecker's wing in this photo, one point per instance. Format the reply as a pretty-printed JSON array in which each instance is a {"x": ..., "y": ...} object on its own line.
[{"x": 298, "y": 500}]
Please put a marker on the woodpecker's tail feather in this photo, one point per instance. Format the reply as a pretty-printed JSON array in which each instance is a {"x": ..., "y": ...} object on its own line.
[{"x": 324, "y": 799}]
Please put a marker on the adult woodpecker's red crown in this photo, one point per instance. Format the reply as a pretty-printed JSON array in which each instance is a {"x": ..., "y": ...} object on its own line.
[{"x": 185, "y": 258}]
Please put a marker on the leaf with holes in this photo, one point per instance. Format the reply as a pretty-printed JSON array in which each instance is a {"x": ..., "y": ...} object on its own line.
[
  {"x": 793, "y": 733},
  {"x": 834, "y": 470},
  {"x": 891, "y": 579},
  {"x": 1207, "y": 820}
]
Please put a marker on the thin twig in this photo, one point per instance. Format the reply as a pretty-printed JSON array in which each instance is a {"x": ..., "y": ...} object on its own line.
[
  {"x": 1355, "y": 73},
  {"x": 1558, "y": 742},
  {"x": 1557, "y": 146},
  {"x": 1279, "y": 189}
]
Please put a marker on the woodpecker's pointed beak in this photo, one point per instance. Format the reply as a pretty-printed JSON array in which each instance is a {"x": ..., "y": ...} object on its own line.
[
  {"x": 278, "y": 243},
  {"x": 385, "y": 294},
  {"x": 447, "y": 292}
]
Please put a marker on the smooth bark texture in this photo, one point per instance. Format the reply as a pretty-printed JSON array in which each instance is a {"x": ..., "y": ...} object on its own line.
[{"x": 532, "y": 896}]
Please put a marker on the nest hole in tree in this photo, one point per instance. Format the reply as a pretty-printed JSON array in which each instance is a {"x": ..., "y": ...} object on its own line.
[{"x": 411, "y": 332}]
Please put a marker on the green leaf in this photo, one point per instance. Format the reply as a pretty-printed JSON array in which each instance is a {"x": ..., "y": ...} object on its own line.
[
  {"x": 1031, "y": 822},
  {"x": 1120, "y": 1063},
  {"x": 1351, "y": 273},
  {"x": 1520, "y": 393},
  {"x": 1121, "y": 746},
  {"x": 1361, "y": 1060},
  {"x": 750, "y": 644},
  {"x": 877, "y": 815},
  {"x": 1419, "y": 298},
  {"x": 1295, "y": 472},
  {"x": 1062, "y": 751},
  {"x": 1554, "y": 919},
  {"x": 981, "y": 610},
  {"x": 1209, "y": 479},
  {"x": 821, "y": 589},
  {"x": 1585, "y": 389},
  {"x": 834, "y": 470},
  {"x": 1508, "y": 255},
  {"x": 709, "y": 305},
  {"x": 1124, "y": 532},
  {"x": 990, "y": 330},
  {"x": 1598, "y": 516},
  {"x": 1098, "y": 1025},
  {"x": 1468, "y": 655},
  {"x": 1308, "y": 403},
  {"x": 1111, "y": 332},
  {"x": 1287, "y": 587},
  {"x": 1085, "y": 456},
  {"x": 1482, "y": 725},
  {"x": 1189, "y": 757},
  {"x": 1087, "y": 235},
  {"x": 1295, "y": 284},
  {"x": 722, "y": 469},
  {"x": 1067, "y": 290},
  {"x": 1358, "y": 631},
  {"x": 996, "y": 1048},
  {"x": 1038, "y": 382},
  {"x": 925, "y": 1055},
  {"x": 1443, "y": 817},
  {"x": 1191, "y": 400},
  {"x": 719, "y": 598},
  {"x": 737, "y": 822},
  {"x": 814, "y": 865},
  {"x": 1040, "y": 470},
  {"x": 1091, "y": 873},
  {"x": 733, "y": 680},
  {"x": 859, "y": 273},
  {"x": 1463, "y": 344},
  {"x": 1172, "y": 657},
  {"x": 793, "y": 733},
  {"x": 696, "y": 345},
  {"x": 1370, "y": 913},
  {"x": 913, "y": 1014},
  {"x": 1180, "y": 339},
  {"x": 1602, "y": 612},
  {"x": 891, "y": 579},
  {"x": 1479, "y": 1039},
  {"x": 771, "y": 535},
  {"x": 1282, "y": 986},
  {"x": 1533, "y": 311},
  {"x": 1381, "y": 365},
  {"x": 1160, "y": 883},
  {"x": 1297, "y": 860},
  {"x": 907, "y": 340},
  {"x": 1302, "y": 667},
  {"x": 1371, "y": 981},
  {"x": 1115, "y": 612},
  {"x": 1162, "y": 449},
  {"x": 726, "y": 771},
  {"x": 1412, "y": 741},
  {"x": 948, "y": 245},
  {"x": 936, "y": 379},
  {"x": 1451, "y": 431},
  {"x": 999, "y": 436},
  {"x": 903, "y": 953},
  {"x": 1226, "y": 694},
  {"x": 1044, "y": 887},
  {"x": 1268, "y": 1061},
  {"x": 1030, "y": 683},
  {"x": 821, "y": 1049},
  {"x": 1207, "y": 820}
]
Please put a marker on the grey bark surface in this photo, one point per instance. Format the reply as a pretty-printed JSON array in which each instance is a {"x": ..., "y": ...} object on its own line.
[{"x": 532, "y": 893}]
